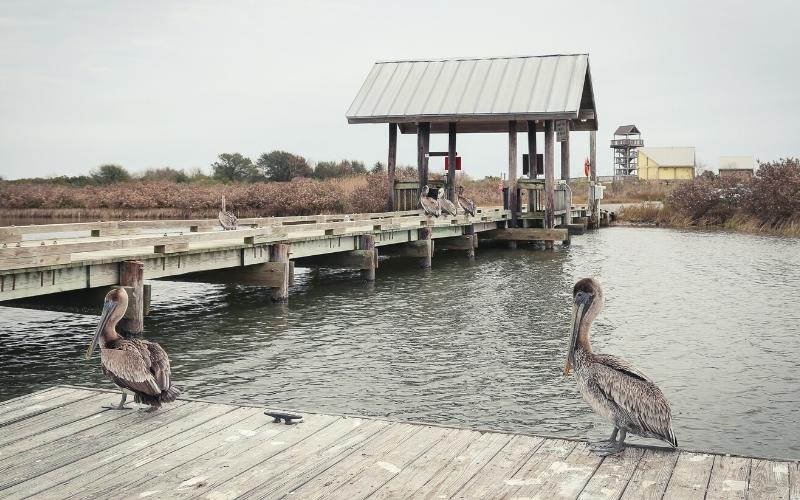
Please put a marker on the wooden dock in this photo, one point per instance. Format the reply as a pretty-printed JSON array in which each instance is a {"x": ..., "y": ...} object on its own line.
[{"x": 61, "y": 443}]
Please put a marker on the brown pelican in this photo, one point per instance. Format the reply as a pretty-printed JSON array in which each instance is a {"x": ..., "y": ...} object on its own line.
[
  {"x": 465, "y": 202},
  {"x": 227, "y": 220},
  {"x": 429, "y": 205},
  {"x": 447, "y": 206},
  {"x": 136, "y": 365},
  {"x": 613, "y": 388}
]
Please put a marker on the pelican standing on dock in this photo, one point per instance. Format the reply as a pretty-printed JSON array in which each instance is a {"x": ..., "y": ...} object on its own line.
[
  {"x": 429, "y": 205},
  {"x": 613, "y": 387},
  {"x": 227, "y": 220},
  {"x": 136, "y": 365},
  {"x": 465, "y": 202},
  {"x": 447, "y": 206}
]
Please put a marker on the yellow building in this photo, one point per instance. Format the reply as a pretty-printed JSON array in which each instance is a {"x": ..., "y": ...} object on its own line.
[{"x": 666, "y": 163}]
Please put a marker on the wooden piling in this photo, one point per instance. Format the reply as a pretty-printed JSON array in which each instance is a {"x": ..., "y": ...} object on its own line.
[
  {"x": 131, "y": 274},
  {"x": 367, "y": 242},
  {"x": 425, "y": 235},
  {"x": 565, "y": 157},
  {"x": 594, "y": 204},
  {"x": 451, "y": 158},
  {"x": 423, "y": 146},
  {"x": 470, "y": 230},
  {"x": 549, "y": 178},
  {"x": 279, "y": 253},
  {"x": 391, "y": 164},
  {"x": 532, "y": 161}
]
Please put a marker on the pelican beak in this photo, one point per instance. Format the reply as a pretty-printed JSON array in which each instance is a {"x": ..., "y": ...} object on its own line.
[
  {"x": 108, "y": 308},
  {"x": 579, "y": 309}
]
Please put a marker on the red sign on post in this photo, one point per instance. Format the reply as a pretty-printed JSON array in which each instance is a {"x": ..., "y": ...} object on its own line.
[{"x": 447, "y": 163}]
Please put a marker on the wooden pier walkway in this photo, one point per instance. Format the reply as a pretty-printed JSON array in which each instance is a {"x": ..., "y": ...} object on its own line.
[{"x": 60, "y": 443}]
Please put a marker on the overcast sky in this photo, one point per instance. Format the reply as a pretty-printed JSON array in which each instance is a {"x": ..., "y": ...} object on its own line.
[{"x": 175, "y": 83}]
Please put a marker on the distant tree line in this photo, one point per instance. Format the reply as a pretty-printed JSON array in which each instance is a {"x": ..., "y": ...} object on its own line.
[{"x": 277, "y": 166}]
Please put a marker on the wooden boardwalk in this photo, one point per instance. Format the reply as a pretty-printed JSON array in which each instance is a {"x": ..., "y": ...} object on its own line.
[{"x": 60, "y": 443}]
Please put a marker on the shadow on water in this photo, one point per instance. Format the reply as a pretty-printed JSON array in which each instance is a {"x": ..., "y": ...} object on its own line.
[{"x": 709, "y": 316}]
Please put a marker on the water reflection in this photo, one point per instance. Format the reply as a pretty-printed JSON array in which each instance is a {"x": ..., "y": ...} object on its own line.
[{"x": 709, "y": 316}]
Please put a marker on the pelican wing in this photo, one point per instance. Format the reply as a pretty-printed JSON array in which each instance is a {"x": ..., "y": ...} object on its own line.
[
  {"x": 635, "y": 395},
  {"x": 467, "y": 205},
  {"x": 129, "y": 368},
  {"x": 447, "y": 206},
  {"x": 159, "y": 364},
  {"x": 430, "y": 206}
]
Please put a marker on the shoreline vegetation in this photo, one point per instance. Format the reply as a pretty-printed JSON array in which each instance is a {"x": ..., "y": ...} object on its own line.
[{"x": 283, "y": 184}]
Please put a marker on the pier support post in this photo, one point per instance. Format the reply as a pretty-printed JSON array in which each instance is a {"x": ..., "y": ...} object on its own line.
[
  {"x": 549, "y": 178},
  {"x": 279, "y": 253},
  {"x": 470, "y": 230},
  {"x": 425, "y": 235},
  {"x": 423, "y": 146},
  {"x": 131, "y": 274},
  {"x": 367, "y": 242},
  {"x": 390, "y": 165},
  {"x": 594, "y": 203},
  {"x": 512, "y": 176},
  {"x": 451, "y": 159}
]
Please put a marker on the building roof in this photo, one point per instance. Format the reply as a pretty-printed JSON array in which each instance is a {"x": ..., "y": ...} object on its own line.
[
  {"x": 627, "y": 129},
  {"x": 736, "y": 163},
  {"x": 671, "y": 156},
  {"x": 483, "y": 95}
]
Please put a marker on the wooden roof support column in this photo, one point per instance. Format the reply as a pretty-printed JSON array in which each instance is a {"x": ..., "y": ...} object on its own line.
[
  {"x": 451, "y": 158},
  {"x": 423, "y": 146},
  {"x": 549, "y": 176},
  {"x": 512, "y": 171},
  {"x": 565, "y": 157},
  {"x": 391, "y": 164},
  {"x": 532, "y": 163},
  {"x": 131, "y": 274}
]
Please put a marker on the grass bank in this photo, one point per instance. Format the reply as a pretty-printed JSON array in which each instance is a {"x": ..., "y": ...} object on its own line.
[{"x": 175, "y": 200}]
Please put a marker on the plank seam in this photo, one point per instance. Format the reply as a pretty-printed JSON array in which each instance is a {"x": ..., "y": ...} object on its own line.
[
  {"x": 628, "y": 481},
  {"x": 671, "y": 472},
  {"x": 440, "y": 469},
  {"x": 24, "y": 417},
  {"x": 469, "y": 480}
]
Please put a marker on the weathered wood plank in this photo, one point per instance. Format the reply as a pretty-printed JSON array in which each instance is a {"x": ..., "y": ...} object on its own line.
[
  {"x": 728, "y": 478},
  {"x": 43, "y": 422},
  {"x": 466, "y": 464},
  {"x": 188, "y": 471},
  {"x": 380, "y": 469},
  {"x": 610, "y": 479},
  {"x": 296, "y": 465},
  {"x": 180, "y": 246},
  {"x": 26, "y": 409},
  {"x": 652, "y": 473},
  {"x": 92, "y": 474},
  {"x": 794, "y": 481},
  {"x": 768, "y": 480},
  {"x": 417, "y": 473},
  {"x": 500, "y": 468},
  {"x": 538, "y": 468},
  {"x": 72, "y": 447},
  {"x": 565, "y": 479},
  {"x": 527, "y": 234},
  {"x": 690, "y": 476},
  {"x": 26, "y": 399},
  {"x": 324, "y": 484}
]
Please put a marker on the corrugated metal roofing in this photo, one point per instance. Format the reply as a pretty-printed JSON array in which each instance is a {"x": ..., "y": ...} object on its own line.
[
  {"x": 670, "y": 157},
  {"x": 492, "y": 89},
  {"x": 736, "y": 163}
]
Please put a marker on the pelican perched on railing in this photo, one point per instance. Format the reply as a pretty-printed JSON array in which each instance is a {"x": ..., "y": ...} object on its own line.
[
  {"x": 613, "y": 388},
  {"x": 136, "y": 365},
  {"x": 447, "y": 206},
  {"x": 430, "y": 205},
  {"x": 227, "y": 220},
  {"x": 465, "y": 202}
]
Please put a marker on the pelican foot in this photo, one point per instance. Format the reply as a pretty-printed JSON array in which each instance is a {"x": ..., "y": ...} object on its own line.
[
  {"x": 610, "y": 448},
  {"x": 117, "y": 407}
]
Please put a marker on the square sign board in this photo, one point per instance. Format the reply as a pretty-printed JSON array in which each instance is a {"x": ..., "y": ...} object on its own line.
[{"x": 561, "y": 130}]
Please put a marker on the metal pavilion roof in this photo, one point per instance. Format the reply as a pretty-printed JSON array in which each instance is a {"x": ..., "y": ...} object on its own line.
[{"x": 483, "y": 95}]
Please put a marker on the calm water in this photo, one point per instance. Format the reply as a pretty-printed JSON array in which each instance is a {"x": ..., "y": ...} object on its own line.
[{"x": 713, "y": 318}]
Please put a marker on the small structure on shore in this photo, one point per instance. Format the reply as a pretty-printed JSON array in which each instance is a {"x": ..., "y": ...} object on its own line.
[
  {"x": 670, "y": 163},
  {"x": 736, "y": 166},
  {"x": 626, "y": 143}
]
